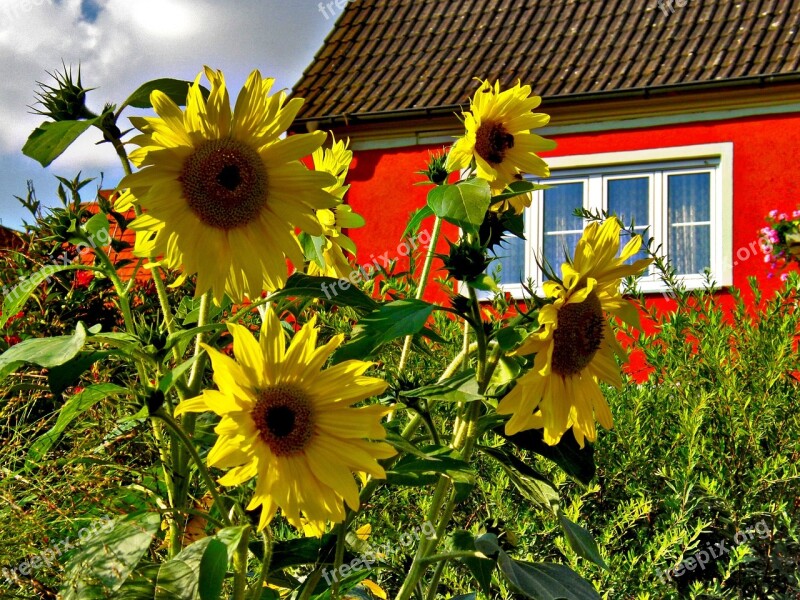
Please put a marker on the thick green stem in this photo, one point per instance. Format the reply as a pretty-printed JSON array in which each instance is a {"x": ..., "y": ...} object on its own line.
[
  {"x": 258, "y": 586},
  {"x": 201, "y": 466},
  {"x": 240, "y": 566},
  {"x": 423, "y": 281},
  {"x": 338, "y": 559}
]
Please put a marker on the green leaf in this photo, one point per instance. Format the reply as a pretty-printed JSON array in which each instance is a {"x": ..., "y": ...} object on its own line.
[
  {"x": 175, "y": 89},
  {"x": 463, "y": 204},
  {"x": 531, "y": 484},
  {"x": 176, "y": 581},
  {"x": 393, "y": 320},
  {"x": 16, "y": 298},
  {"x": 44, "y": 352},
  {"x": 481, "y": 568},
  {"x": 545, "y": 581},
  {"x": 50, "y": 139},
  {"x": 581, "y": 541},
  {"x": 517, "y": 188},
  {"x": 576, "y": 461},
  {"x": 313, "y": 248},
  {"x": 213, "y": 567},
  {"x": 415, "y": 222},
  {"x": 93, "y": 227},
  {"x": 485, "y": 283},
  {"x": 338, "y": 291},
  {"x": 61, "y": 377},
  {"x": 459, "y": 388},
  {"x": 104, "y": 561},
  {"x": 75, "y": 406},
  {"x": 168, "y": 380},
  {"x": 439, "y": 460}
]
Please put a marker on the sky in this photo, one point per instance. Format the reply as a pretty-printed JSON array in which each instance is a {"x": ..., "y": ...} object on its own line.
[{"x": 120, "y": 44}]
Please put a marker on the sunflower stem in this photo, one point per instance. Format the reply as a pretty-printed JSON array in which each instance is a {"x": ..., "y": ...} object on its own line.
[
  {"x": 423, "y": 281},
  {"x": 464, "y": 441},
  {"x": 258, "y": 586},
  {"x": 173, "y": 425},
  {"x": 341, "y": 534},
  {"x": 240, "y": 566}
]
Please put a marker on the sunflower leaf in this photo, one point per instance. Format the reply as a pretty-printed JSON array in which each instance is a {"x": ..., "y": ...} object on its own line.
[
  {"x": 175, "y": 89},
  {"x": 581, "y": 541},
  {"x": 414, "y": 223},
  {"x": 530, "y": 483},
  {"x": 50, "y": 139},
  {"x": 391, "y": 321},
  {"x": 463, "y": 204},
  {"x": 577, "y": 462},
  {"x": 338, "y": 291}
]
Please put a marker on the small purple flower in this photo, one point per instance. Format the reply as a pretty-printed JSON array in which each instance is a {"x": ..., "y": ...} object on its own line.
[{"x": 773, "y": 213}]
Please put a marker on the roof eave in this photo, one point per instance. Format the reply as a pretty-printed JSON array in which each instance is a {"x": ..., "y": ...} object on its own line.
[{"x": 406, "y": 114}]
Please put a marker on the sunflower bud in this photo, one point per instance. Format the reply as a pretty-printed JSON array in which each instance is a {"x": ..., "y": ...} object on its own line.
[
  {"x": 466, "y": 261},
  {"x": 65, "y": 101},
  {"x": 436, "y": 171}
]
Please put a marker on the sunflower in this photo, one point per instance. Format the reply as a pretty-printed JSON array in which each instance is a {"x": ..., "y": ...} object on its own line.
[
  {"x": 291, "y": 424},
  {"x": 498, "y": 135},
  {"x": 575, "y": 345},
  {"x": 221, "y": 192},
  {"x": 336, "y": 161}
]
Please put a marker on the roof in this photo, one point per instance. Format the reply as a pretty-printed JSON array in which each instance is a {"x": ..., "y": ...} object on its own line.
[{"x": 389, "y": 56}]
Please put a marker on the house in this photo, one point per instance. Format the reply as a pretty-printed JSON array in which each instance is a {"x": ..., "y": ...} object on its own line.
[{"x": 683, "y": 115}]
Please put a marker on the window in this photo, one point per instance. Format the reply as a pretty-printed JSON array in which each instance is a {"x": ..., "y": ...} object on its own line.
[{"x": 682, "y": 196}]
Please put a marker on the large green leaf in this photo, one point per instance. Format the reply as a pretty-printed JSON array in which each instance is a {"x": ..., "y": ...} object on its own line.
[
  {"x": 481, "y": 568},
  {"x": 338, "y": 291},
  {"x": 391, "y": 321},
  {"x": 545, "y": 581},
  {"x": 75, "y": 406},
  {"x": 50, "y": 139},
  {"x": 581, "y": 541},
  {"x": 459, "y": 388},
  {"x": 61, "y": 377},
  {"x": 175, "y": 89},
  {"x": 540, "y": 581},
  {"x": 463, "y": 204},
  {"x": 576, "y": 461},
  {"x": 105, "y": 560},
  {"x": 44, "y": 352},
  {"x": 16, "y": 298},
  {"x": 439, "y": 460}
]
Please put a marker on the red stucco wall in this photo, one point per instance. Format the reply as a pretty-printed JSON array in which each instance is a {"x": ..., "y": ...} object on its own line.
[{"x": 765, "y": 177}]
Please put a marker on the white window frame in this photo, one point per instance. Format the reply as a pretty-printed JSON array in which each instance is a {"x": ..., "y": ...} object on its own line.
[{"x": 657, "y": 164}]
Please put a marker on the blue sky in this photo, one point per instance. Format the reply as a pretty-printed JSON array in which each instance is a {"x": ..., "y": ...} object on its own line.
[{"x": 121, "y": 44}]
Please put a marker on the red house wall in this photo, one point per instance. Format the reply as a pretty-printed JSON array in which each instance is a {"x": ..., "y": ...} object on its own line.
[{"x": 764, "y": 178}]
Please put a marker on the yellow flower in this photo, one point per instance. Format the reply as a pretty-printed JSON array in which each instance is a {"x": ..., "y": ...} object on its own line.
[
  {"x": 498, "y": 135},
  {"x": 291, "y": 424},
  {"x": 222, "y": 193},
  {"x": 336, "y": 161},
  {"x": 575, "y": 345}
]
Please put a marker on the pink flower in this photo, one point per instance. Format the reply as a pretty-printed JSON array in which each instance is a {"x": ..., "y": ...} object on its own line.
[
  {"x": 773, "y": 213},
  {"x": 784, "y": 276},
  {"x": 783, "y": 216}
]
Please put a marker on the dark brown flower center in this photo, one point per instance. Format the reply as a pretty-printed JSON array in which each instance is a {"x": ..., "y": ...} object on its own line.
[
  {"x": 492, "y": 140},
  {"x": 578, "y": 335},
  {"x": 225, "y": 183},
  {"x": 284, "y": 419}
]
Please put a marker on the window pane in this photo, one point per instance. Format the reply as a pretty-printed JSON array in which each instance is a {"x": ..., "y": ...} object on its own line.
[
  {"x": 511, "y": 255},
  {"x": 559, "y": 203},
  {"x": 689, "y": 197},
  {"x": 629, "y": 199},
  {"x": 554, "y": 249},
  {"x": 690, "y": 248},
  {"x": 689, "y": 200}
]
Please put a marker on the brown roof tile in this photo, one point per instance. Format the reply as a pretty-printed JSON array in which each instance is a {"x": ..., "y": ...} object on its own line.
[{"x": 392, "y": 55}]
